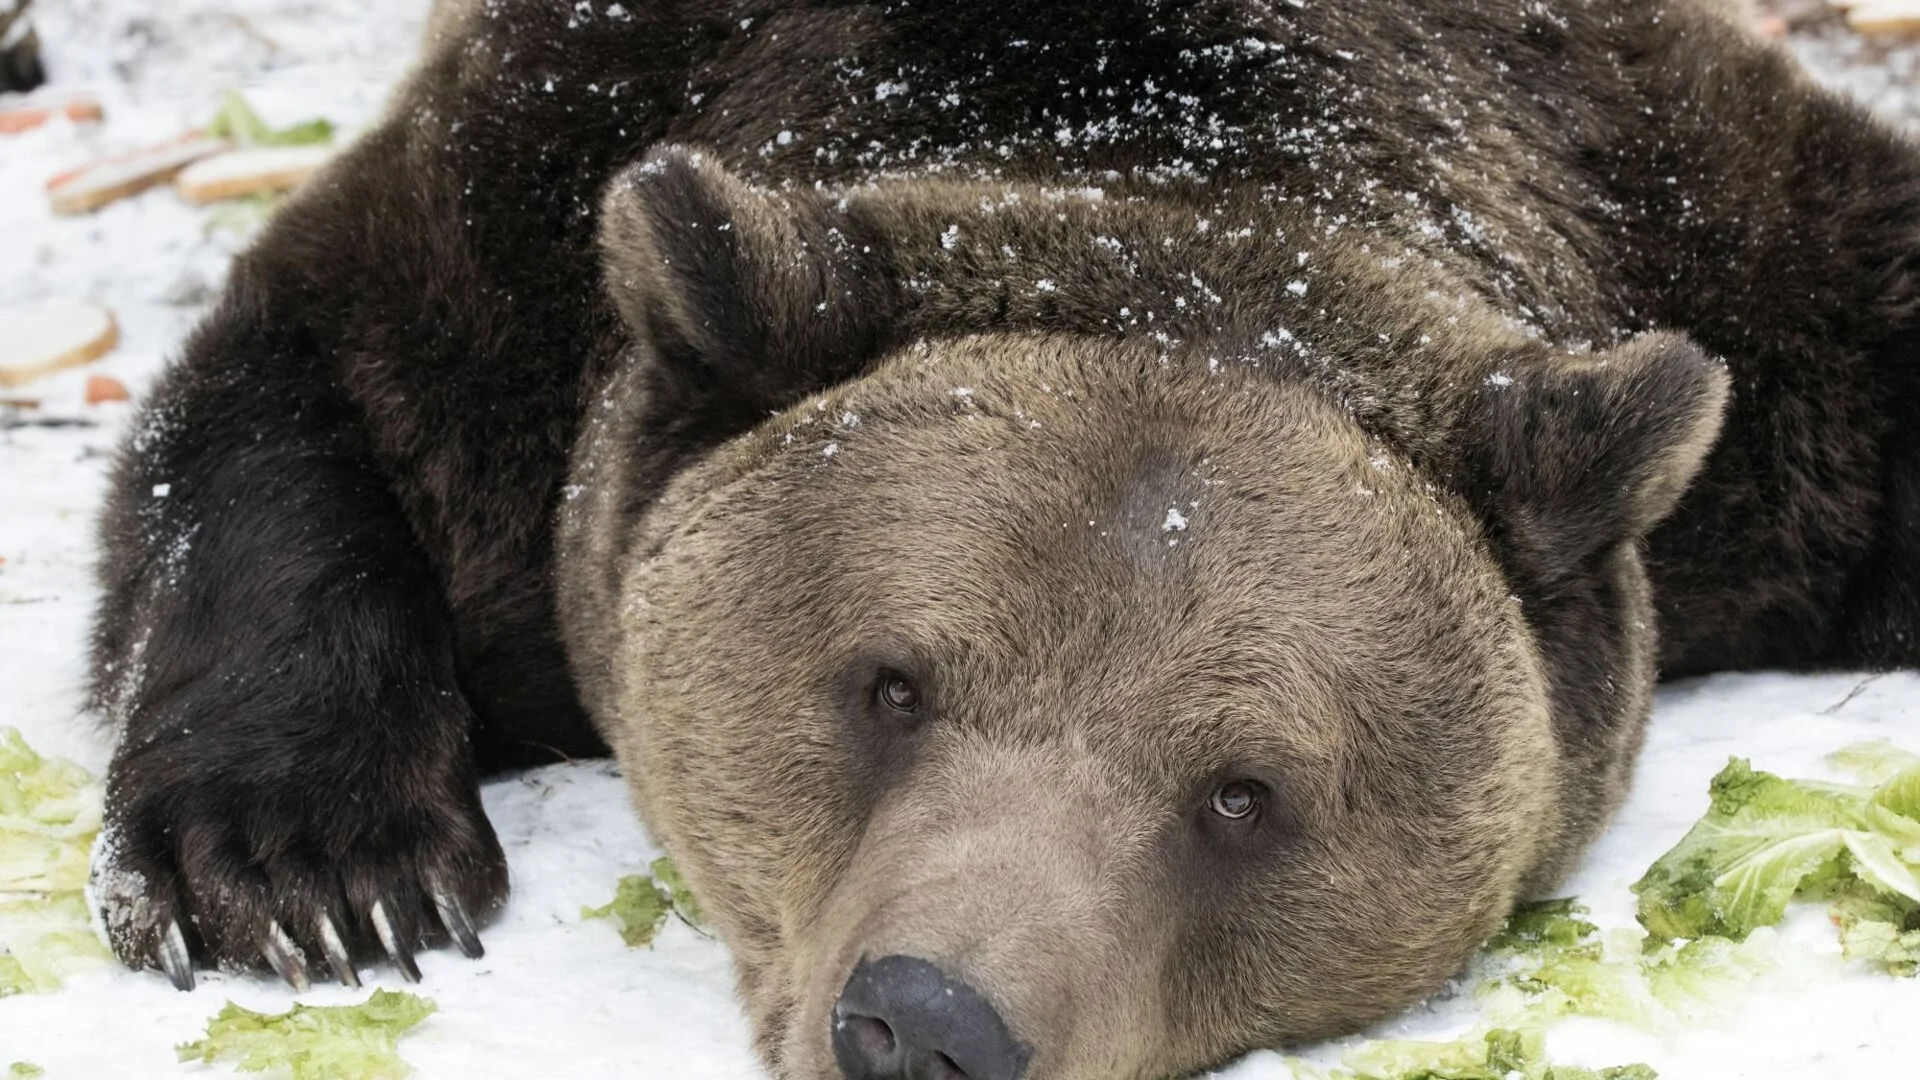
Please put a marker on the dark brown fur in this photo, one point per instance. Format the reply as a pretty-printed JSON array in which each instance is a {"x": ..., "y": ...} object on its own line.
[{"x": 1408, "y": 308}]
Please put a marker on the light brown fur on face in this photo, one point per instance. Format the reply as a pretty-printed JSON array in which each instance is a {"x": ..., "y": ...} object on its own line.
[{"x": 991, "y": 516}]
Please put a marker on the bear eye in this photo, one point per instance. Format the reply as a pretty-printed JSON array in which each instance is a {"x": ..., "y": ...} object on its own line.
[
  {"x": 896, "y": 693},
  {"x": 1235, "y": 800}
]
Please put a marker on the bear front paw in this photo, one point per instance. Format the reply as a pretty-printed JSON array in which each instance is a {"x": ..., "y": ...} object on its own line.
[{"x": 221, "y": 869}]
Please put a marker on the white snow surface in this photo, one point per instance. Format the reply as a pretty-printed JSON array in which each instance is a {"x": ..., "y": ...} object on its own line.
[{"x": 556, "y": 996}]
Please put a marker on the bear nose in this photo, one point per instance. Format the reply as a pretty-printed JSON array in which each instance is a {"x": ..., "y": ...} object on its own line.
[{"x": 902, "y": 1018}]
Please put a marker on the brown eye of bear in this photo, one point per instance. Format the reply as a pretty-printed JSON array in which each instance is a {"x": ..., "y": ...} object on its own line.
[
  {"x": 1235, "y": 800},
  {"x": 896, "y": 693}
]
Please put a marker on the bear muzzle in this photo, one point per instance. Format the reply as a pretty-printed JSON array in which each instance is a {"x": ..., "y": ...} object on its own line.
[{"x": 995, "y": 923}]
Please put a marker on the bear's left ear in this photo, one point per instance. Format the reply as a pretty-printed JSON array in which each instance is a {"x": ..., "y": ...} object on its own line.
[
  {"x": 749, "y": 300},
  {"x": 1569, "y": 455}
]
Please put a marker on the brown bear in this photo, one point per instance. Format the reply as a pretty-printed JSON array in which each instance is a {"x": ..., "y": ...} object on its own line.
[{"x": 1104, "y": 535}]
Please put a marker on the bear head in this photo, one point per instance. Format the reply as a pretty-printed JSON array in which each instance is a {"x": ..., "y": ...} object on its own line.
[{"x": 1032, "y": 703}]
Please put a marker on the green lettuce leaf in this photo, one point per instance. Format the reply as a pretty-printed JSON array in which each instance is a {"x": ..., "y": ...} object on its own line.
[
  {"x": 685, "y": 904},
  {"x": 25, "y": 1069},
  {"x": 49, "y": 813},
  {"x": 1499, "y": 1054},
  {"x": 1490, "y": 1056},
  {"x": 1700, "y": 979},
  {"x": 45, "y": 940},
  {"x": 1557, "y": 925},
  {"x": 1894, "y": 808},
  {"x": 1550, "y": 962},
  {"x": 639, "y": 908},
  {"x": 1880, "y": 929},
  {"x": 343, "y": 1042},
  {"x": 1763, "y": 840},
  {"x": 14, "y": 978},
  {"x": 1899, "y": 796},
  {"x": 1766, "y": 840},
  {"x": 1873, "y": 762},
  {"x": 236, "y": 121},
  {"x": 642, "y": 902}
]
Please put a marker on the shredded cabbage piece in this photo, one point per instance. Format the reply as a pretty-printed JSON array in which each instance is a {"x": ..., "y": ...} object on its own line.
[
  {"x": 1550, "y": 962},
  {"x": 46, "y": 940},
  {"x": 1766, "y": 840},
  {"x": 685, "y": 904},
  {"x": 237, "y": 121},
  {"x": 1880, "y": 929},
  {"x": 642, "y": 902},
  {"x": 639, "y": 909},
  {"x": 315, "y": 1042},
  {"x": 1499, "y": 1054},
  {"x": 49, "y": 814}
]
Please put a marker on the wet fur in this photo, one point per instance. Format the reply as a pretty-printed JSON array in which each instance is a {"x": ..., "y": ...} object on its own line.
[{"x": 346, "y": 596}]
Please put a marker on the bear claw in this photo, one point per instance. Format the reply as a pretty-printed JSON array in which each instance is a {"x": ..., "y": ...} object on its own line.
[
  {"x": 336, "y": 951},
  {"x": 283, "y": 957},
  {"x": 455, "y": 920},
  {"x": 397, "y": 948},
  {"x": 174, "y": 958}
]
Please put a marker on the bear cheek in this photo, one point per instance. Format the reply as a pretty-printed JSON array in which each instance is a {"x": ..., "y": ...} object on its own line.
[
  {"x": 1382, "y": 898},
  {"x": 740, "y": 778}
]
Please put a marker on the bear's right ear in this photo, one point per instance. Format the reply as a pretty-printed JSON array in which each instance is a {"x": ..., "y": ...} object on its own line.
[
  {"x": 747, "y": 299},
  {"x": 1572, "y": 455}
]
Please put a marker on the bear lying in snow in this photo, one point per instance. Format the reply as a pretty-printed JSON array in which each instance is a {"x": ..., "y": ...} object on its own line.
[{"x": 1104, "y": 535}]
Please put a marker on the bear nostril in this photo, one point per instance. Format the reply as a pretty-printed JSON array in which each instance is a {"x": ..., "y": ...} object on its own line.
[
  {"x": 873, "y": 1037},
  {"x": 902, "y": 1018}
]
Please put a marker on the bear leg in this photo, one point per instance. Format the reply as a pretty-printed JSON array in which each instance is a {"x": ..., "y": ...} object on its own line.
[{"x": 294, "y": 781}]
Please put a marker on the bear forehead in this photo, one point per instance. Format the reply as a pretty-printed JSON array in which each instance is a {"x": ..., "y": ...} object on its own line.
[
  {"x": 1006, "y": 459},
  {"x": 1173, "y": 531}
]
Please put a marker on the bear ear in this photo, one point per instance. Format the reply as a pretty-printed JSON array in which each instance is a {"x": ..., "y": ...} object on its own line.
[
  {"x": 759, "y": 298},
  {"x": 1575, "y": 454}
]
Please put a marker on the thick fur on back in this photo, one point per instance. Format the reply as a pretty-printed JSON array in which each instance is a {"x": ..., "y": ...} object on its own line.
[{"x": 448, "y": 264}]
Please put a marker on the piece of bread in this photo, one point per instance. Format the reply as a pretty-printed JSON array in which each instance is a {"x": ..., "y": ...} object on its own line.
[
  {"x": 55, "y": 335},
  {"x": 106, "y": 388},
  {"x": 98, "y": 183},
  {"x": 1885, "y": 17},
  {"x": 27, "y": 117},
  {"x": 239, "y": 173}
]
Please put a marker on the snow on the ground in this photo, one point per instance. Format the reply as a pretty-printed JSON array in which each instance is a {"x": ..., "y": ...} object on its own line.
[{"x": 556, "y": 996}]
